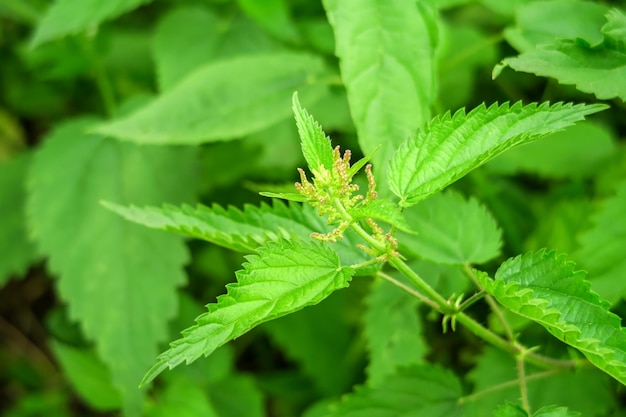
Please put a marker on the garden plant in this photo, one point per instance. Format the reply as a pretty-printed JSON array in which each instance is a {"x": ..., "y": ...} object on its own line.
[{"x": 362, "y": 208}]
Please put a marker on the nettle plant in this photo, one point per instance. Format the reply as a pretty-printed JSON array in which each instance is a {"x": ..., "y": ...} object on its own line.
[
  {"x": 435, "y": 224},
  {"x": 332, "y": 232}
]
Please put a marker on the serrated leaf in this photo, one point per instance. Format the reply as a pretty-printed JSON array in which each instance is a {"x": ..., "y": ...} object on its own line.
[
  {"x": 535, "y": 23},
  {"x": 509, "y": 410},
  {"x": 283, "y": 278},
  {"x": 581, "y": 389},
  {"x": 316, "y": 146},
  {"x": 241, "y": 230},
  {"x": 393, "y": 331},
  {"x": 118, "y": 279},
  {"x": 68, "y": 17},
  {"x": 600, "y": 69},
  {"x": 449, "y": 229},
  {"x": 177, "y": 51},
  {"x": 450, "y": 146},
  {"x": 602, "y": 247},
  {"x": 416, "y": 391},
  {"x": 546, "y": 289},
  {"x": 18, "y": 251},
  {"x": 88, "y": 376},
  {"x": 386, "y": 57},
  {"x": 224, "y": 100}
]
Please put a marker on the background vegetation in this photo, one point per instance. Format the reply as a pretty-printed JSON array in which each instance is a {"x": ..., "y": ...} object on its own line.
[{"x": 151, "y": 102}]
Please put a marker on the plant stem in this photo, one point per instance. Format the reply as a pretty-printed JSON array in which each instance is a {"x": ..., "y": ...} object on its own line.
[
  {"x": 408, "y": 289},
  {"x": 505, "y": 385},
  {"x": 521, "y": 376}
]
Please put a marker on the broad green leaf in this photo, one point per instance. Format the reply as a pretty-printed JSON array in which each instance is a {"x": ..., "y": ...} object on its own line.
[
  {"x": 450, "y": 146},
  {"x": 386, "y": 57},
  {"x": 546, "y": 289},
  {"x": 241, "y": 230},
  {"x": 581, "y": 389},
  {"x": 177, "y": 51},
  {"x": 224, "y": 100},
  {"x": 273, "y": 16},
  {"x": 597, "y": 69},
  {"x": 17, "y": 250},
  {"x": 416, "y": 391},
  {"x": 602, "y": 247},
  {"x": 118, "y": 279},
  {"x": 316, "y": 146},
  {"x": 88, "y": 376},
  {"x": 452, "y": 230},
  {"x": 393, "y": 331},
  {"x": 576, "y": 152},
  {"x": 283, "y": 278},
  {"x": 68, "y": 17},
  {"x": 535, "y": 24},
  {"x": 321, "y": 339}
]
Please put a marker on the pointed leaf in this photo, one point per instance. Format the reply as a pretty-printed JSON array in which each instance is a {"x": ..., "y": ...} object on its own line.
[
  {"x": 602, "y": 247},
  {"x": 68, "y": 17},
  {"x": 545, "y": 288},
  {"x": 600, "y": 69},
  {"x": 283, "y": 278},
  {"x": 118, "y": 279},
  {"x": 453, "y": 145},
  {"x": 393, "y": 331},
  {"x": 416, "y": 391},
  {"x": 224, "y": 100},
  {"x": 243, "y": 231},
  {"x": 386, "y": 57},
  {"x": 316, "y": 146},
  {"x": 452, "y": 230},
  {"x": 17, "y": 250}
]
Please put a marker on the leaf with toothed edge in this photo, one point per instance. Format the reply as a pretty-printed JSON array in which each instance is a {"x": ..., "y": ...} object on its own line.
[
  {"x": 450, "y": 146},
  {"x": 544, "y": 287},
  {"x": 284, "y": 277}
]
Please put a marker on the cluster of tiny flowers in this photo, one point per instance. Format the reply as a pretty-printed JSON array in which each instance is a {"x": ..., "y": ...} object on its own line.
[{"x": 386, "y": 239}]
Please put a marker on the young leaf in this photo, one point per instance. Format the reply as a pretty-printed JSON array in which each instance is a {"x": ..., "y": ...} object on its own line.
[
  {"x": 393, "y": 331},
  {"x": 452, "y": 230},
  {"x": 67, "y": 17},
  {"x": 224, "y": 100},
  {"x": 386, "y": 53},
  {"x": 283, "y": 278},
  {"x": 243, "y": 231},
  {"x": 602, "y": 247},
  {"x": 16, "y": 248},
  {"x": 450, "y": 146},
  {"x": 316, "y": 146},
  {"x": 417, "y": 391},
  {"x": 597, "y": 69},
  {"x": 545, "y": 288},
  {"x": 118, "y": 279}
]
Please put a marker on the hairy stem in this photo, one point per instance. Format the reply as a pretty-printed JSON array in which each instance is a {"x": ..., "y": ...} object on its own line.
[
  {"x": 408, "y": 289},
  {"x": 523, "y": 387}
]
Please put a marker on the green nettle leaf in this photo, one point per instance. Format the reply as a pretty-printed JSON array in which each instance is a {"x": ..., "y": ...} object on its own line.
[
  {"x": 386, "y": 53},
  {"x": 535, "y": 23},
  {"x": 545, "y": 288},
  {"x": 602, "y": 247},
  {"x": 424, "y": 391},
  {"x": 242, "y": 230},
  {"x": 598, "y": 69},
  {"x": 393, "y": 331},
  {"x": 224, "y": 100},
  {"x": 283, "y": 278},
  {"x": 16, "y": 248},
  {"x": 118, "y": 279},
  {"x": 452, "y": 230},
  {"x": 316, "y": 146},
  {"x": 67, "y": 17},
  {"x": 450, "y": 146}
]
